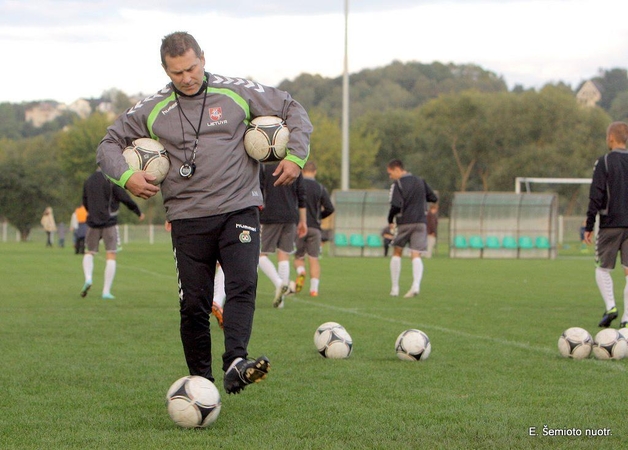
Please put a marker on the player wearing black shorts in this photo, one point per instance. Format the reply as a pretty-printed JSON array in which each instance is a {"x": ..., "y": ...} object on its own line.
[{"x": 607, "y": 197}]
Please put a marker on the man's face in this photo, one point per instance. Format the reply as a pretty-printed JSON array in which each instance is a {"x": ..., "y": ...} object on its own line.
[
  {"x": 394, "y": 173},
  {"x": 186, "y": 71}
]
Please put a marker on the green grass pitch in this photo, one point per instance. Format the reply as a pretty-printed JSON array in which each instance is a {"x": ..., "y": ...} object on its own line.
[{"x": 92, "y": 374}]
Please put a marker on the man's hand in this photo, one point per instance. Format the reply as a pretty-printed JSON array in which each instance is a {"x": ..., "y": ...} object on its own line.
[
  {"x": 588, "y": 235},
  {"x": 287, "y": 172},
  {"x": 139, "y": 185},
  {"x": 302, "y": 229}
]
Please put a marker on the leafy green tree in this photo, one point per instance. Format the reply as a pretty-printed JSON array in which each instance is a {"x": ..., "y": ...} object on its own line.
[
  {"x": 619, "y": 107},
  {"x": 75, "y": 151},
  {"x": 396, "y": 131},
  {"x": 11, "y": 121},
  {"x": 398, "y": 85},
  {"x": 76, "y": 148},
  {"x": 612, "y": 82},
  {"x": 326, "y": 151},
  {"x": 120, "y": 102},
  {"x": 28, "y": 183}
]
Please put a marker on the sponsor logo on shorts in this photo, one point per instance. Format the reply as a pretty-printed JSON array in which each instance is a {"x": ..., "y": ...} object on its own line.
[{"x": 245, "y": 227}]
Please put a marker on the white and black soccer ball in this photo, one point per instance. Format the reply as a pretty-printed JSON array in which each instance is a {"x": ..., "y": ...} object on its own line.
[
  {"x": 193, "y": 402},
  {"x": 413, "y": 345},
  {"x": 576, "y": 343},
  {"x": 149, "y": 155},
  {"x": 609, "y": 344},
  {"x": 333, "y": 341},
  {"x": 266, "y": 139}
]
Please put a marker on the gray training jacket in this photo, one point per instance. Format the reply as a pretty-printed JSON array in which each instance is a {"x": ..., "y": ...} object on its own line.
[{"x": 226, "y": 178}]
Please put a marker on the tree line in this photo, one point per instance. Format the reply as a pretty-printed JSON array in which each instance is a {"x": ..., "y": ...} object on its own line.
[{"x": 457, "y": 126}]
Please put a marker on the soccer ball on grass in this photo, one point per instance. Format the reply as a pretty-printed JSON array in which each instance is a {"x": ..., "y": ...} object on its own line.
[
  {"x": 266, "y": 139},
  {"x": 609, "y": 344},
  {"x": 193, "y": 402},
  {"x": 333, "y": 341},
  {"x": 149, "y": 155},
  {"x": 413, "y": 345},
  {"x": 576, "y": 343}
]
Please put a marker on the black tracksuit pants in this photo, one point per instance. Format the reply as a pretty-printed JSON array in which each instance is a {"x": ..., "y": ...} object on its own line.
[{"x": 232, "y": 239}]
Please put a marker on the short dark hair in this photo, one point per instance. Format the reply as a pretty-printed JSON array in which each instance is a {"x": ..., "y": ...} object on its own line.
[
  {"x": 619, "y": 130},
  {"x": 310, "y": 166},
  {"x": 176, "y": 44},
  {"x": 395, "y": 163}
]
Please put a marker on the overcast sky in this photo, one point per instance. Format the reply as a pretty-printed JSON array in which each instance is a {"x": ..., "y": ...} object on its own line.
[{"x": 67, "y": 49}]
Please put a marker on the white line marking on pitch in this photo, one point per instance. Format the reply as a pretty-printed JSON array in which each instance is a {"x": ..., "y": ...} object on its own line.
[{"x": 522, "y": 345}]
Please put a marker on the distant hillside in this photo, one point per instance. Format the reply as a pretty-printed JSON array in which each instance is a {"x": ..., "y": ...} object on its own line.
[{"x": 398, "y": 85}]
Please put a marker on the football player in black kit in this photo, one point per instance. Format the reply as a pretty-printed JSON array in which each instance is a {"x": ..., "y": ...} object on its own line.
[{"x": 607, "y": 197}]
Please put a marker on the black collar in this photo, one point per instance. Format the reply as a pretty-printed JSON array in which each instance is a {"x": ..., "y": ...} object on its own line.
[{"x": 203, "y": 88}]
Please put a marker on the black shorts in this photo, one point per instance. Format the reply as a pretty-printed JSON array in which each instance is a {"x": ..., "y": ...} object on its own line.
[{"x": 608, "y": 243}]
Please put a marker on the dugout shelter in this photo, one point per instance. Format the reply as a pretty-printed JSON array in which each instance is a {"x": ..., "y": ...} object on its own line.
[
  {"x": 503, "y": 225},
  {"x": 359, "y": 217}
]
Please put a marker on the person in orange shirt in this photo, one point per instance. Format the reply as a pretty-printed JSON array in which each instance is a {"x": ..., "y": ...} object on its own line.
[{"x": 78, "y": 226}]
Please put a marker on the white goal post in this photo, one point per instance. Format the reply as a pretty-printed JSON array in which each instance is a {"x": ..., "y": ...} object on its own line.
[
  {"x": 519, "y": 181},
  {"x": 527, "y": 180}
]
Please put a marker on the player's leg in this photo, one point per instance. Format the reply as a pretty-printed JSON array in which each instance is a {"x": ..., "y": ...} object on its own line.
[
  {"x": 195, "y": 250},
  {"x": 607, "y": 245},
  {"x": 395, "y": 270},
  {"x": 239, "y": 253},
  {"x": 110, "y": 239},
  {"x": 285, "y": 248},
  {"x": 219, "y": 295},
  {"x": 418, "y": 244},
  {"x": 624, "y": 263},
  {"x": 219, "y": 286},
  {"x": 315, "y": 275},
  {"x": 283, "y": 266},
  {"x": 92, "y": 240},
  {"x": 313, "y": 249},
  {"x": 299, "y": 263},
  {"x": 270, "y": 238}
]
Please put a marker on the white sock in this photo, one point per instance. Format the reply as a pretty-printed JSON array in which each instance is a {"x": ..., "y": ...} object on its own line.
[
  {"x": 268, "y": 268},
  {"x": 395, "y": 272},
  {"x": 219, "y": 287},
  {"x": 417, "y": 274},
  {"x": 110, "y": 273},
  {"x": 314, "y": 284},
  {"x": 301, "y": 270},
  {"x": 605, "y": 284},
  {"x": 88, "y": 266},
  {"x": 624, "y": 318},
  {"x": 283, "y": 269}
]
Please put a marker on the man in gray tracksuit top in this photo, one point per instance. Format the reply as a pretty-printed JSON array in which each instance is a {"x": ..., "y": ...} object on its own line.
[{"x": 211, "y": 193}]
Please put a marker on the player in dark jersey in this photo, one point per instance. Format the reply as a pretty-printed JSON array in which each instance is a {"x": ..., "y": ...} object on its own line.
[
  {"x": 102, "y": 199},
  {"x": 607, "y": 197},
  {"x": 283, "y": 219},
  {"x": 318, "y": 206},
  {"x": 409, "y": 195}
]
